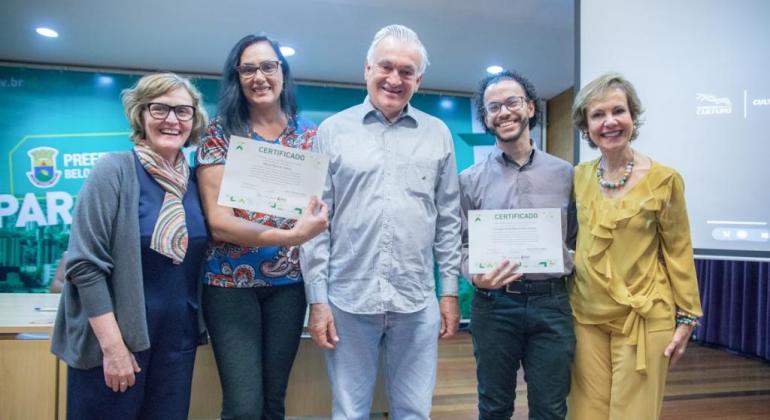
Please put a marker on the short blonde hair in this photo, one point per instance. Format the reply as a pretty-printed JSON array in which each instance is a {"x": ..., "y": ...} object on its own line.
[
  {"x": 597, "y": 88},
  {"x": 149, "y": 87}
]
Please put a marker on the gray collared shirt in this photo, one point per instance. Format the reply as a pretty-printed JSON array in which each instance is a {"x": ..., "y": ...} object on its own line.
[
  {"x": 498, "y": 182},
  {"x": 394, "y": 204}
]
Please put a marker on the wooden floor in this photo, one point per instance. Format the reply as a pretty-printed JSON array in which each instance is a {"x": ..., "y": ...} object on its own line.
[{"x": 706, "y": 384}]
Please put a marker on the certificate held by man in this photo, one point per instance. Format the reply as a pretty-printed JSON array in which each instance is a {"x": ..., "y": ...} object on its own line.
[
  {"x": 529, "y": 237},
  {"x": 270, "y": 178}
]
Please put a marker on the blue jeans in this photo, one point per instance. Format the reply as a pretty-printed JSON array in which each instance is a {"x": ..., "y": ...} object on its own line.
[
  {"x": 410, "y": 348},
  {"x": 531, "y": 330},
  {"x": 255, "y": 335}
]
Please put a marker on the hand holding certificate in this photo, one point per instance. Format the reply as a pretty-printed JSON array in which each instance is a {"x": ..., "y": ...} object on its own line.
[
  {"x": 530, "y": 237},
  {"x": 270, "y": 178}
]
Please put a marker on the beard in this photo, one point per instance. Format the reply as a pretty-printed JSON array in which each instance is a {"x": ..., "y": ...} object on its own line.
[{"x": 510, "y": 138}]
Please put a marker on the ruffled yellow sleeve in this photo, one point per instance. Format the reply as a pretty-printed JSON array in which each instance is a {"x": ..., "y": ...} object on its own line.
[{"x": 676, "y": 249}]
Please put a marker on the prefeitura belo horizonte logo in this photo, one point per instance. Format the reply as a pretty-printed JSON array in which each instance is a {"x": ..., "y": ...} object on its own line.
[{"x": 43, "y": 173}]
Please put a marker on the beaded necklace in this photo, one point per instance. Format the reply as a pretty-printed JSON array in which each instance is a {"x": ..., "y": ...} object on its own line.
[{"x": 614, "y": 185}]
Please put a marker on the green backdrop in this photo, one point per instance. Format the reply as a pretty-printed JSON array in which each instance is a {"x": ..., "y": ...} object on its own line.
[{"x": 54, "y": 124}]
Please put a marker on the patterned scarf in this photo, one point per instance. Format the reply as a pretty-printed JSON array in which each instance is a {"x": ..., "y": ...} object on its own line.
[{"x": 169, "y": 237}]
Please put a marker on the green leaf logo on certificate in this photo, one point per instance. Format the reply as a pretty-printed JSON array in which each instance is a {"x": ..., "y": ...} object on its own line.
[
  {"x": 530, "y": 237},
  {"x": 270, "y": 178}
]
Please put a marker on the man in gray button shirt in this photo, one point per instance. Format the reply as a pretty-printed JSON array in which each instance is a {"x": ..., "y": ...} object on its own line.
[
  {"x": 516, "y": 319},
  {"x": 394, "y": 209}
]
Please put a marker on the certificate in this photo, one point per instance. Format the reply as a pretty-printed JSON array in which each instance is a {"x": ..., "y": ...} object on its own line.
[
  {"x": 530, "y": 237},
  {"x": 270, "y": 178}
]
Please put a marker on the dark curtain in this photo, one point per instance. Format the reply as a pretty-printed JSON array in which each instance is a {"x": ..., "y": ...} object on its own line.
[{"x": 736, "y": 305}]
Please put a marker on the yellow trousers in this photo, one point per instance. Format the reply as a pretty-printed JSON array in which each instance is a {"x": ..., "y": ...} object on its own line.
[{"x": 605, "y": 383}]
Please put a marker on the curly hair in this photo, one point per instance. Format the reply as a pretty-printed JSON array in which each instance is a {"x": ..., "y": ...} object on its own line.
[{"x": 529, "y": 90}]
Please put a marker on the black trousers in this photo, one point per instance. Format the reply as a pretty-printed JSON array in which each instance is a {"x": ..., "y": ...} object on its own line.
[
  {"x": 255, "y": 334},
  {"x": 532, "y": 330}
]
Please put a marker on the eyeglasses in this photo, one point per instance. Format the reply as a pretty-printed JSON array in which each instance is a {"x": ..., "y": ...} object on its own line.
[
  {"x": 513, "y": 103},
  {"x": 247, "y": 71},
  {"x": 160, "y": 111}
]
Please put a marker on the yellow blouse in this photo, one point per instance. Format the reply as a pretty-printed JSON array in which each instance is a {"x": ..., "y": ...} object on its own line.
[{"x": 634, "y": 264}]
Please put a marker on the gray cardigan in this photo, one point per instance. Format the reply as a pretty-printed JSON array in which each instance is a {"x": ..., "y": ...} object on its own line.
[{"x": 103, "y": 267}]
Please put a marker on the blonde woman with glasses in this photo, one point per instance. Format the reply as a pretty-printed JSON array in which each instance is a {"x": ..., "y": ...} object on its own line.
[{"x": 128, "y": 323}]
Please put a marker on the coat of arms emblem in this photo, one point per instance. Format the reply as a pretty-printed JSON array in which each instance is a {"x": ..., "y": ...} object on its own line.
[{"x": 43, "y": 172}]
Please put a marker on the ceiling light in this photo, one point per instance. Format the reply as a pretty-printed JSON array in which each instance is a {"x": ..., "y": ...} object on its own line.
[
  {"x": 47, "y": 32},
  {"x": 104, "y": 81},
  {"x": 287, "y": 51},
  {"x": 494, "y": 69}
]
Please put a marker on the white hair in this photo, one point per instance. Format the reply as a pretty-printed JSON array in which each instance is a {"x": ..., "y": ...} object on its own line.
[{"x": 401, "y": 33}]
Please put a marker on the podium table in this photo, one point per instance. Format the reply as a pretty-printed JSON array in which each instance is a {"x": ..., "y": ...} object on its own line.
[{"x": 33, "y": 382}]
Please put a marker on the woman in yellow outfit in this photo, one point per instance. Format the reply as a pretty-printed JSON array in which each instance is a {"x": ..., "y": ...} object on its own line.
[{"x": 635, "y": 295}]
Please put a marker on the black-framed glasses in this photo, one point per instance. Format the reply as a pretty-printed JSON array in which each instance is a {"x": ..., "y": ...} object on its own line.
[
  {"x": 160, "y": 111},
  {"x": 247, "y": 71},
  {"x": 513, "y": 103}
]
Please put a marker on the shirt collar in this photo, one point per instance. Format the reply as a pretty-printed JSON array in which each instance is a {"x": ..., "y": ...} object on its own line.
[
  {"x": 370, "y": 114},
  {"x": 506, "y": 160}
]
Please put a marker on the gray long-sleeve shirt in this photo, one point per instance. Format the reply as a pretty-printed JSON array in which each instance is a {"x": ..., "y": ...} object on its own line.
[
  {"x": 393, "y": 196},
  {"x": 498, "y": 182},
  {"x": 103, "y": 269},
  {"x": 104, "y": 244}
]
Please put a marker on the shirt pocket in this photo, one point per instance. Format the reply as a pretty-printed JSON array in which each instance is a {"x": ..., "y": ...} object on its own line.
[{"x": 419, "y": 178}]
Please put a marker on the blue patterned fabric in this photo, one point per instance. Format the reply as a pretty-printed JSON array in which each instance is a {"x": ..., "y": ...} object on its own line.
[{"x": 229, "y": 265}]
